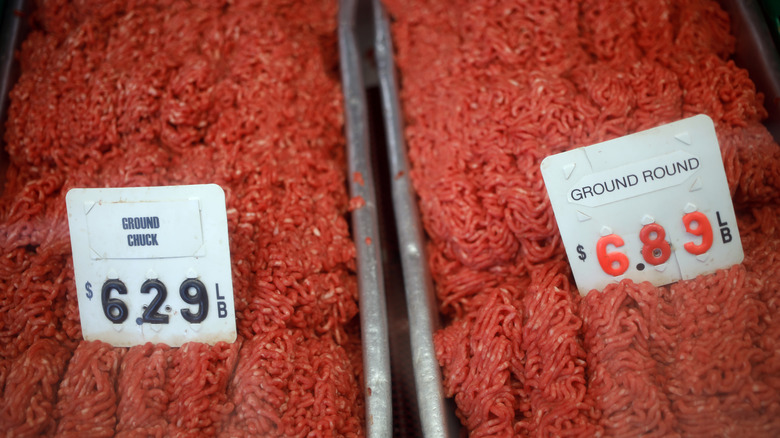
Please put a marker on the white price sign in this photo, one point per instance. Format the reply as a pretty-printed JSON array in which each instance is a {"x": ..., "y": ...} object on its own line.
[
  {"x": 652, "y": 206},
  {"x": 152, "y": 264}
]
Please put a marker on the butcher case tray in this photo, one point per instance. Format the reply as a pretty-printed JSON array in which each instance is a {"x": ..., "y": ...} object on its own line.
[{"x": 364, "y": 221}]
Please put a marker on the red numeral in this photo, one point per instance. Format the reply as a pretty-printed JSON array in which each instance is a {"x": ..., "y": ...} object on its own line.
[
  {"x": 608, "y": 260},
  {"x": 703, "y": 229},
  {"x": 655, "y": 250}
]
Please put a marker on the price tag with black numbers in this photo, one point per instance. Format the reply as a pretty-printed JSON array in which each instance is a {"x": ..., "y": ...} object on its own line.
[
  {"x": 652, "y": 206},
  {"x": 152, "y": 264}
]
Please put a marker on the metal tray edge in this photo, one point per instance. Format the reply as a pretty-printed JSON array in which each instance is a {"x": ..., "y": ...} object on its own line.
[
  {"x": 13, "y": 31},
  {"x": 756, "y": 52}
]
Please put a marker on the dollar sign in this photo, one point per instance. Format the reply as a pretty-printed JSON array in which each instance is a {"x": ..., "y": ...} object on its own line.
[
  {"x": 89, "y": 290},
  {"x": 581, "y": 253}
]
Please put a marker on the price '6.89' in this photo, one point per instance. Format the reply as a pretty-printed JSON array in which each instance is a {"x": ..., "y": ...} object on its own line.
[
  {"x": 655, "y": 249},
  {"x": 191, "y": 291},
  {"x": 653, "y": 206}
]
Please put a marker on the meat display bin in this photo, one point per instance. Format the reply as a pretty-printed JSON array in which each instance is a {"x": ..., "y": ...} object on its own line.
[
  {"x": 373, "y": 315},
  {"x": 754, "y": 51}
]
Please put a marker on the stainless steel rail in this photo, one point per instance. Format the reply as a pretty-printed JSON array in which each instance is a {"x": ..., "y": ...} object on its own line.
[
  {"x": 437, "y": 419},
  {"x": 365, "y": 225}
]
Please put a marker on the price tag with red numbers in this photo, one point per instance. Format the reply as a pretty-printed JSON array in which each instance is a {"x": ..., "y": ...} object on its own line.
[{"x": 652, "y": 206}]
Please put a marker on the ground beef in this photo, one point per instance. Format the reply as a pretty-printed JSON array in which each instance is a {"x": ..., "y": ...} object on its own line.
[
  {"x": 196, "y": 384},
  {"x": 278, "y": 385},
  {"x": 87, "y": 399},
  {"x": 489, "y": 88},
  {"x": 142, "y": 396},
  {"x": 244, "y": 94},
  {"x": 31, "y": 392}
]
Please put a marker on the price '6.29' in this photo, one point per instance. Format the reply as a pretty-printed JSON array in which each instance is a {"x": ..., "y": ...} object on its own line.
[
  {"x": 192, "y": 291},
  {"x": 656, "y": 250},
  {"x": 152, "y": 264}
]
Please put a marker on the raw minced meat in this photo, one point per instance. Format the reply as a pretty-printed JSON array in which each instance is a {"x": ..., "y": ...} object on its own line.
[
  {"x": 244, "y": 94},
  {"x": 490, "y": 88}
]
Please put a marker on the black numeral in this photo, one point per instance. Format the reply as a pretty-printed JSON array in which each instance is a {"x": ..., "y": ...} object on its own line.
[
  {"x": 193, "y": 291},
  {"x": 151, "y": 314},
  {"x": 114, "y": 308}
]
